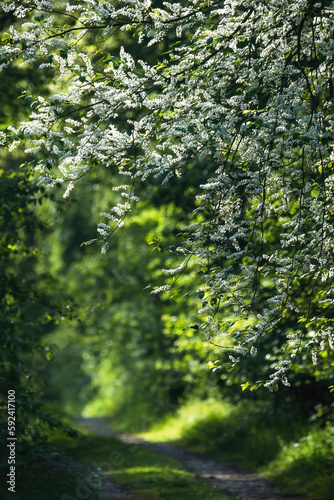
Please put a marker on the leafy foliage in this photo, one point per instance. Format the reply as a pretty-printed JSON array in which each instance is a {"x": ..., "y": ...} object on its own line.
[{"x": 27, "y": 313}]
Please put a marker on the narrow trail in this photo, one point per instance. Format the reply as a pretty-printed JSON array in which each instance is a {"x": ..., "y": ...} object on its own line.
[{"x": 233, "y": 481}]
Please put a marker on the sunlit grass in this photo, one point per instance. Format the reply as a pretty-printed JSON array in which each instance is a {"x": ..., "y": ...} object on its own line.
[
  {"x": 166, "y": 482},
  {"x": 307, "y": 465},
  {"x": 175, "y": 426},
  {"x": 247, "y": 434}
]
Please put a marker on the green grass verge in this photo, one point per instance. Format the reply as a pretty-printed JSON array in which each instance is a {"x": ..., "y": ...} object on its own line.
[
  {"x": 291, "y": 452},
  {"x": 248, "y": 435},
  {"x": 307, "y": 466},
  {"x": 147, "y": 475}
]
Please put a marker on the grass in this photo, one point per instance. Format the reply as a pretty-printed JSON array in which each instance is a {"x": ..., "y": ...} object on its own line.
[
  {"x": 175, "y": 426},
  {"x": 248, "y": 435},
  {"x": 147, "y": 475},
  {"x": 291, "y": 452},
  {"x": 307, "y": 466}
]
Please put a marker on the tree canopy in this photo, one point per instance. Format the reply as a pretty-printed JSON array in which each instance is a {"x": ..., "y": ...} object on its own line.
[{"x": 231, "y": 105}]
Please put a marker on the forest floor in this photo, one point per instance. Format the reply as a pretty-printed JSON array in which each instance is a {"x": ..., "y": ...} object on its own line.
[{"x": 239, "y": 484}]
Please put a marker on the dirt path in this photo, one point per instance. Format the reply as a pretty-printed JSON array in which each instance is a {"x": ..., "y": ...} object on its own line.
[{"x": 238, "y": 483}]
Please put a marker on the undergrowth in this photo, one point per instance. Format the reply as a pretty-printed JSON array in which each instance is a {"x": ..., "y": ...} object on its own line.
[
  {"x": 40, "y": 473},
  {"x": 39, "y": 476},
  {"x": 307, "y": 465}
]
